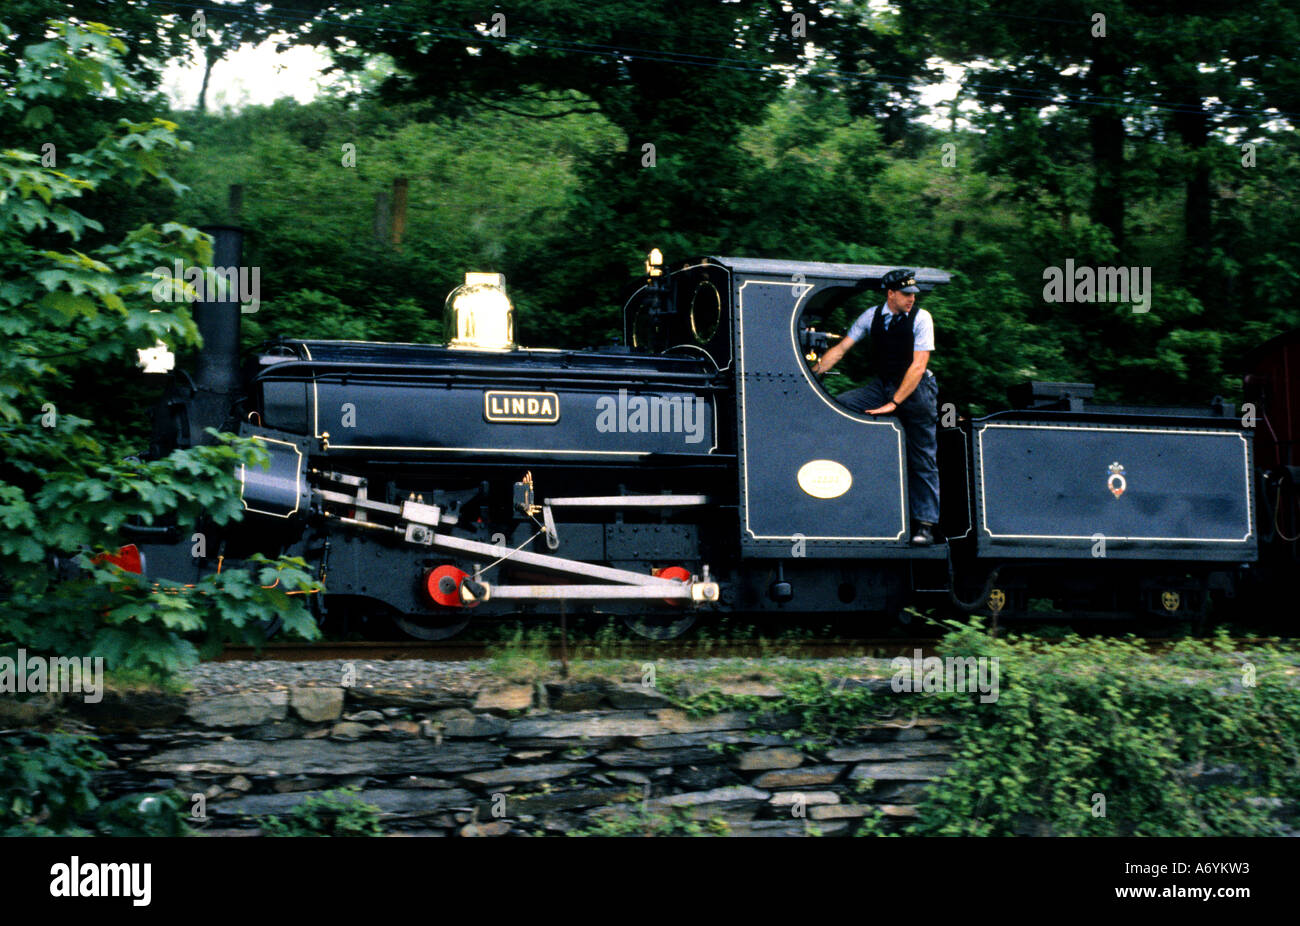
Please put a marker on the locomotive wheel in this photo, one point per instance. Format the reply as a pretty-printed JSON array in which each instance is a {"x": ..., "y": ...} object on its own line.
[
  {"x": 659, "y": 626},
  {"x": 433, "y": 626},
  {"x": 664, "y": 625}
]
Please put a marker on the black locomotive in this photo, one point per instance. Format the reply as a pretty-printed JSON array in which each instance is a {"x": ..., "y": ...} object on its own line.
[{"x": 701, "y": 466}]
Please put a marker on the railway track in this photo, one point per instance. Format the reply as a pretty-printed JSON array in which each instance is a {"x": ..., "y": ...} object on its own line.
[
  {"x": 459, "y": 651},
  {"x": 454, "y": 651}
]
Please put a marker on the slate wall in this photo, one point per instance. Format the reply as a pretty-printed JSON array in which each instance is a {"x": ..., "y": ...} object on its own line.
[{"x": 510, "y": 759}]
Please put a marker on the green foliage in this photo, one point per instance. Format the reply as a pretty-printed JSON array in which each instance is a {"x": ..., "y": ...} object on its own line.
[
  {"x": 823, "y": 711},
  {"x": 875, "y": 823},
  {"x": 46, "y": 789},
  {"x": 813, "y": 710},
  {"x": 537, "y": 174},
  {"x": 526, "y": 159},
  {"x": 64, "y": 494},
  {"x": 1077, "y": 719},
  {"x": 711, "y": 700},
  {"x": 641, "y": 821},
  {"x": 303, "y": 207},
  {"x": 45, "y": 783},
  {"x": 813, "y": 182},
  {"x": 144, "y": 680},
  {"x": 1198, "y": 739},
  {"x": 522, "y": 654},
  {"x": 334, "y": 813},
  {"x": 160, "y": 814}
]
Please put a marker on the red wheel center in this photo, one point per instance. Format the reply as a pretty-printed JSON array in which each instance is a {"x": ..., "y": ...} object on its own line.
[{"x": 443, "y": 586}]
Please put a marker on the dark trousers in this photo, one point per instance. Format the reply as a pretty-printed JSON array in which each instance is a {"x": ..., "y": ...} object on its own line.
[{"x": 919, "y": 415}]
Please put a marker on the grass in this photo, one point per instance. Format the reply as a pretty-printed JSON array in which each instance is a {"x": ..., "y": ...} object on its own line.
[
  {"x": 522, "y": 655},
  {"x": 528, "y": 654},
  {"x": 140, "y": 681}
]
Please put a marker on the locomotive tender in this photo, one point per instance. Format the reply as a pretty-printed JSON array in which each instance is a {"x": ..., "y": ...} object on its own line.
[{"x": 701, "y": 466}]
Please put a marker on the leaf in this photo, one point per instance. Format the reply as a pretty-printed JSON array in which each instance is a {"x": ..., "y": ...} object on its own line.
[
  {"x": 68, "y": 305},
  {"x": 37, "y": 117}
]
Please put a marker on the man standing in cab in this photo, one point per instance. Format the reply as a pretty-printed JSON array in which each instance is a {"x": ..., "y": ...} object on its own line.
[{"x": 901, "y": 342}]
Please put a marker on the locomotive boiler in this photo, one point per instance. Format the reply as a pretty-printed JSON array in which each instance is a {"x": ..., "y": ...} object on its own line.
[{"x": 699, "y": 467}]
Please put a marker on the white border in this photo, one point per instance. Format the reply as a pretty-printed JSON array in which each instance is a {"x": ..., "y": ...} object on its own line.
[
  {"x": 1250, "y": 529},
  {"x": 491, "y": 392},
  {"x": 297, "y": 480},
  {"x": 739, "y": 349}
]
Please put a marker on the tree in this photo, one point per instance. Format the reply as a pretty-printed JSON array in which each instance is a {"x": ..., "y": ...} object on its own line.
[
  {"x": 679, "y": 81},
  {"x": 60, "y": 498},
  {"x": 221, "y": 31},
  {"x": 1186, "y": 70}
]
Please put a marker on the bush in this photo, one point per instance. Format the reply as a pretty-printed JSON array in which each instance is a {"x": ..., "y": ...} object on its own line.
[
  {"x": 143, "y": 815},
  {"x": 45, "y": 783},
  {"x": 64, "y": 491},
  {"x": 46, "y": 789},
  {"x": 1086, "y": 737},
  {"x": 1103, "y": 737}
]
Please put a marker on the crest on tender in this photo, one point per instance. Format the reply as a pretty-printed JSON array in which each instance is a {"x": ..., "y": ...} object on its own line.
[{"x": 1116, "y": 483}]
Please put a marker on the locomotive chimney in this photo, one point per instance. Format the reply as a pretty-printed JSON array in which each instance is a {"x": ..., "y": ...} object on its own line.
[{"x": 218, "y": 318}]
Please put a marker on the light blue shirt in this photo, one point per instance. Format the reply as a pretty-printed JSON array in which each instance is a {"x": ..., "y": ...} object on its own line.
[{"x": 922, "y": 329}]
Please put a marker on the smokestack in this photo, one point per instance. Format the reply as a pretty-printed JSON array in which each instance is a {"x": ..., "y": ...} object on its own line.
[
  {"x": 217, "y": 376},
  {"x": 218, "y": 319}
]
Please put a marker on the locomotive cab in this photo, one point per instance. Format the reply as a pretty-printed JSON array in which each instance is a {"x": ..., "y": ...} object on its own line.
[{"x": 811, "y": 473}]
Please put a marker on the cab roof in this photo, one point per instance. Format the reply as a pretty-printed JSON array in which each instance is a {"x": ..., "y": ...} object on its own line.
[{"x": 865, "y": 274}]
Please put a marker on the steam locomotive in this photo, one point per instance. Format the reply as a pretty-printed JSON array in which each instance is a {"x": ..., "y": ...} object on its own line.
[{"x": 700, "y": 467}]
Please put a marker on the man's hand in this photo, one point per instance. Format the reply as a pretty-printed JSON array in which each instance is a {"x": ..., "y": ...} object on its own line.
[
  {"x": 831, "y": 357},
  {"x": 884, "y": 409}
]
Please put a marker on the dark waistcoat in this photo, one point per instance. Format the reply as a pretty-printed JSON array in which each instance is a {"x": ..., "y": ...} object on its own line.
[{"x": 891, "y": 351}]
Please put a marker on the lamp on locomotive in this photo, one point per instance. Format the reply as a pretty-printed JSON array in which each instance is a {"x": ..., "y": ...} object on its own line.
[{"x": 478, "y": 315}]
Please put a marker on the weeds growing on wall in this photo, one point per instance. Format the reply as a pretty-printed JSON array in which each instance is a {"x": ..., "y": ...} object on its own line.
[
  {"x": 1086, "y": 737},
  {"x": 334, "y": 813},
  {"x": 1106, "y": 737}
]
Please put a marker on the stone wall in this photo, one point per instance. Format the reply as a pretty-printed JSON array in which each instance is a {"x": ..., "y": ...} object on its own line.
[{"x": 510, "y": 759}]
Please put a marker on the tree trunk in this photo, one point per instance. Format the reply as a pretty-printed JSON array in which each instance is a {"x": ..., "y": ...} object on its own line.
[
  {"x": 209, "y": 59},
  {"x": 1193, "y": 126},
  {"x": 1106, "y": 131}
]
